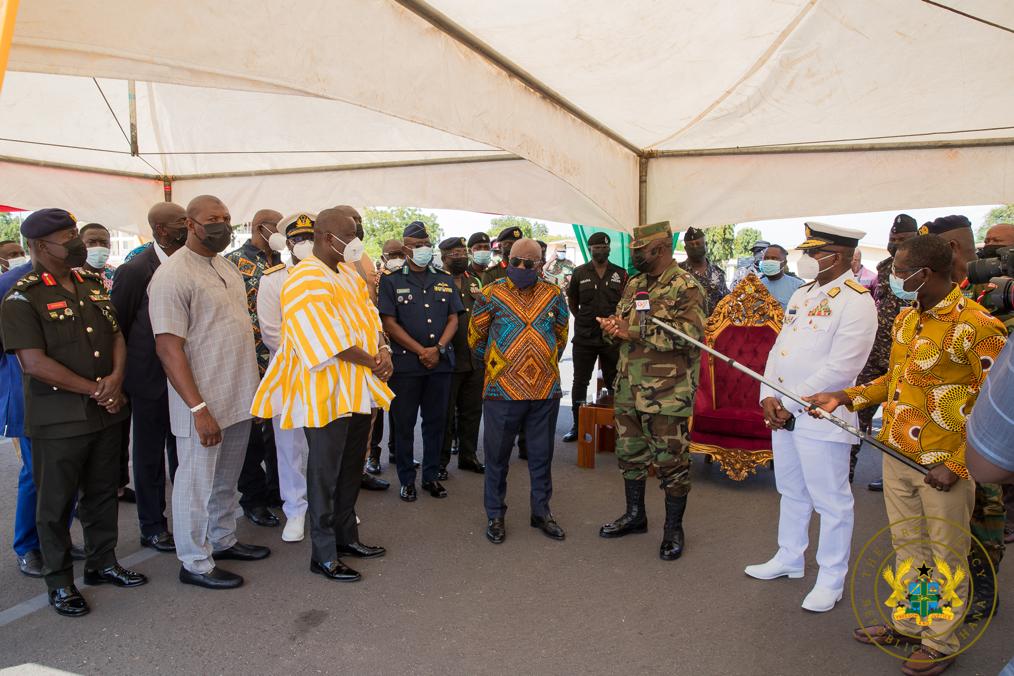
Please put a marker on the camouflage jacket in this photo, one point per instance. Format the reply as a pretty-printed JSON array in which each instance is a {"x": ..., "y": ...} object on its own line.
[
  {"x": 888, "y": 307},
  {"x": 659, "y": 373}
]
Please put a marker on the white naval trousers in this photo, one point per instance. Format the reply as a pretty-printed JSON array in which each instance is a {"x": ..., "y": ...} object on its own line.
[
  {"x": 291, "y": 450},
  {"x": 813, "y": 474}
]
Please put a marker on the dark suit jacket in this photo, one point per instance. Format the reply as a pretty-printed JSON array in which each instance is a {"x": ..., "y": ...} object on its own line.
[{"x": 145, "y": 377}]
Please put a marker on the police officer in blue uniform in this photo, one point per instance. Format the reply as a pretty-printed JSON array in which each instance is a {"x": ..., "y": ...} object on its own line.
[{"x": 419, "y": 308}]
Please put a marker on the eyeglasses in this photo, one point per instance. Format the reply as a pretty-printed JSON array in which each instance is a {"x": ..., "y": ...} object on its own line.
[{"x": 517, "y": 263}]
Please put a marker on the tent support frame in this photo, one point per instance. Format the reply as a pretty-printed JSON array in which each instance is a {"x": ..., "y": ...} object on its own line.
[{"x": 833, "y": 148}]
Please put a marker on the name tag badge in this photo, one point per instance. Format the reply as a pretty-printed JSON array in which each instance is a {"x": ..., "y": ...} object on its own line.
[
  {"x": 403, "y": 291},
  {"x": 642, "y": 305},
  {"x": 56, "y": 306}
]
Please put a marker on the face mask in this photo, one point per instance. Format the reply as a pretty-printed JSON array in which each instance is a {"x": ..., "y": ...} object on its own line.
[
  {"x": 600, "y": 256},
  {"x": 15, "y": 262},
  {"x": 892, "y": 249},
  {"x": 394, "y": 264},
  {"x": 175, "y": 238},
  {"x": 641, "y": 261},
  {"x": 217, "y": 236},
  {"x": 770, "y": 268},
  {"x": 303, "y": 250},
  {"x": 457, "y": 265},
  {"x": 97, "y": 256},
  {"x": 353, "y": 250},
  {"x": 276, "y": 242},
  {"x": 809, "y": 268},
  {"x": 438, "y": 260},
  {"x": 422, "y": 255},
  {"x": 561, "y": 255},
  {"x": 522, "y": 277},
  {"x": 505, "y": 250},
  {"x": 482, "y": 258},
  {"x": 76, "y": 253},
  {"x": 989, "y": 251},
  {"x": 898, "y": 287}
]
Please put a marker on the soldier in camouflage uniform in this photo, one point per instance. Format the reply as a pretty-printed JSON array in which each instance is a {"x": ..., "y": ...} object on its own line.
[
  {"x": 888, "y": 307},
  {"x": 655, "y": 384},
  {"x": 559, "y": 270}
]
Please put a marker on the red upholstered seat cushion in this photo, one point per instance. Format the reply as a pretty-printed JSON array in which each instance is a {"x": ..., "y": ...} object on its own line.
[{"x": 734, "y": 417}]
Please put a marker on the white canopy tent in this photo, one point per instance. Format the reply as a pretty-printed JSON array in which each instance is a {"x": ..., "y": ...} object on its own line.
[{"x": 592, "y": 111}]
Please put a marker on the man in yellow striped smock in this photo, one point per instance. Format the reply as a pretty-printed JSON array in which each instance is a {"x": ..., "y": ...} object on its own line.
[{"x": 330, "y": 369}]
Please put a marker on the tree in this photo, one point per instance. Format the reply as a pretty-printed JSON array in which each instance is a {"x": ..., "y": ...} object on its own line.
[
  {"x": 10, "y": 227},
  {"x": 745, "y": 239},
  {"x": 529, "y": 229},
  {"x": 382, "y": 224},
  {"x": 1004, "y": 214},
  {"x": 720, "y": 241}
]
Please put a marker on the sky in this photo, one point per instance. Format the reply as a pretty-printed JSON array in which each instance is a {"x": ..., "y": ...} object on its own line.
[{"x": 785, "y": 231}]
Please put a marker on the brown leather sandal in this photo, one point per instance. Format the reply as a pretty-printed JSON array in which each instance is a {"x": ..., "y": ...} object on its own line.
[
  {"x": 927, "y": 662},
  {"x": 882, "y": 634}
]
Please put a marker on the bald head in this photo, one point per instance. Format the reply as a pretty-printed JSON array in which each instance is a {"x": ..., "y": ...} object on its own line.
[
  {"x": 526, "y": 248},
  {"x": 168, "y": 223},
  {"x": 199, "y": 208},
  {"x": 165, "y": 213},
  {"x": 263, "y": 225},
  {"x": 1001, "y": 234},
  {"x": 962, "y": 243},
  {"x": 393, "y": 247}
]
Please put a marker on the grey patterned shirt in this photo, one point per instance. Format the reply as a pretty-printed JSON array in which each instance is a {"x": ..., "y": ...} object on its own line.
[{"x": 203, "y": 300}]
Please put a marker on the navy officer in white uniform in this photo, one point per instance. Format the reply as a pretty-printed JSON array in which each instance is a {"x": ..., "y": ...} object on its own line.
[{"x": 828, "y": 333}]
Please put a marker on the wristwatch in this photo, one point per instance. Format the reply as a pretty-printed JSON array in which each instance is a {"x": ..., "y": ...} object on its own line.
[{"x": 442, "y": 349}]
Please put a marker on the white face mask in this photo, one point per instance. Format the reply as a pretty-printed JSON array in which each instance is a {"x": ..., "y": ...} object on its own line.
[
  {"x": 353, "y": 251},
  {"x": 276, "y": 241},
  {"x": 561, "y": 255},
  {"x": 97, "y": 256},
  {"x": 15, "y": 262},
  {"x": 809, "y": 268},
  {"x": 394, "y": 264},
  {"x": 302, "y": 250}
]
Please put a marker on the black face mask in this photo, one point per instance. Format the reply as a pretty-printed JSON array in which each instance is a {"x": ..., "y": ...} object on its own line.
[
  {"x": 989, "y": 251},
  {"x": 600, "y": 256},
  {"x": 175, "y": 238},
  {"x": 217, "y": 236},
  {"x": 642, "y": 261},
  {"x": 456, "y": 265},
  {"x": 76, "y": 252}
]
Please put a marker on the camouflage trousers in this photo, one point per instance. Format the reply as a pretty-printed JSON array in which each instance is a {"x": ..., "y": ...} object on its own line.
[
  {"x": 988, "y": 518},
  {"x": 652, "y": 439}
]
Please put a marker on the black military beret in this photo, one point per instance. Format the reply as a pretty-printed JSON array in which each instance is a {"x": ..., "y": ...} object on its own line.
[
  {"x": 47, "y": 221},
  {"x": 692, "y": 234},
  {"x": 451, "y": 243},
  {"x": 904, "y": 223},
  {"x": 416, "y": 229},
  {"x": 945, "y": 224},
  {"x": 598, "y": 238},
  {"x": 512, "y": 233},
  {"x": 478, "y": 238}
]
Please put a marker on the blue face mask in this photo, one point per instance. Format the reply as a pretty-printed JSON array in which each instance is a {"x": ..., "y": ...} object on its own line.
[
  {"x": 482, "y": 257},
  {"x": 422, "y": 255},
  {"x": 770, "y": 268},
  {"x": 898, "y": 287},
  {"x": 522, "y": 277}
]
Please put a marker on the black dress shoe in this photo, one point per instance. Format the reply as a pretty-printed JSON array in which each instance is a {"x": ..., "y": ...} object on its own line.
[
  {"x": 163, "y": 542},
  {"x": 416, "y": 464},
  {"x": 876, "y": 486},
  {"x": 361, "y": 551},
  {"x": 242, "y": 552},
  {"x": 372, "y": 483},
  {"x": 547, "y": 524},
  {"x": 571, "y": 434},
  {"x": 31, "y": 563},
  {"x": 216, "y": 578},
  {"x": 373, "y": 466},
  {"x": 115, "y": 575},
  {"x": 128, "y": 495},
  {"x": 407, "y": 493},
  {"x": 68, "y": 601},
  {"x": 77, "y": 553},
  {"x": 471, "y": 466},
  {"x": 262, "y": 516},
  {"x": 442, "y": 475},
  {"x": 335, "y": 570},
  {"x": 435, "y": 489},
  {"x": 496, "y": 531}
]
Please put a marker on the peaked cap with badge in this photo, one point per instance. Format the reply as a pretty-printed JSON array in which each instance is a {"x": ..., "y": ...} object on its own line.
[
  {"x": 823, "y": 234},
  {"x": 47, "y": 221},
  {"x": 452, "y": 243},
  {"x": 299, "y": 223}
]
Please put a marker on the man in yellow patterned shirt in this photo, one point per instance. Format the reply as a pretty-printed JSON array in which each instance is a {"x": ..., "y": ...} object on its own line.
[
  {"x": 328, "y": 373},
  {"x": 943, "y": 347}
]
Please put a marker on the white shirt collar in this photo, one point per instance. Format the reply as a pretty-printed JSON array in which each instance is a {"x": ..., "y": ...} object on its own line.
[{"x": 162, "y": 255}]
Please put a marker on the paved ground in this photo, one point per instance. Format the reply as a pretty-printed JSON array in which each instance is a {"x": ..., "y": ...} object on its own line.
[{"x": 444, "y": 600}]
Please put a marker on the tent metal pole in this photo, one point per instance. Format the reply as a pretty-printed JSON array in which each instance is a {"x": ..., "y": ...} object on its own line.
[
  {"x": 167, "y": 188},
  {"x": 77, "y": 167},
  {"x": 132, "y": 105},
  {"x": 642, "y": 190},
  {"x": 833, "y": 148}
]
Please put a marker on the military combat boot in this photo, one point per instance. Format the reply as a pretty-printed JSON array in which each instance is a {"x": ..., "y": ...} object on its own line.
[
  {"x": 634, "y": 520},
  {"x": 572, "y": 434},
  {"x": 672, "y": 538}
]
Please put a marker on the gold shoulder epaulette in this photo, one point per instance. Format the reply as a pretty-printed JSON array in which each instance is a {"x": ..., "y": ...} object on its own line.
[
  {"x": 274, "y": 268},
  {"x": 834, "y": 292},
  {"x": 856, "y": 286}
]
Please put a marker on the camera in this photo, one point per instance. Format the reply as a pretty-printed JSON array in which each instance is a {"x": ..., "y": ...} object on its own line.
[{"x": 995, "y": 266}]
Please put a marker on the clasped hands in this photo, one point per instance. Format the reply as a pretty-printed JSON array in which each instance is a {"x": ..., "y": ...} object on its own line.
[
  {"x": 382, "y": 365},
  {"x": 109, "y": 393}
]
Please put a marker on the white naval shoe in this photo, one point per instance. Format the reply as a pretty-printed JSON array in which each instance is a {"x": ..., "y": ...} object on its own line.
[
  {"x": 771, "y": 570},
  {"x": 293, "y": 531},
  {"x": 821, "y": 600}
]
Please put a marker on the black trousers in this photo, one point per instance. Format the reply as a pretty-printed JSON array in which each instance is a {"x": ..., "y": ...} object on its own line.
[
  {"x": 464, "y": 413},
  {"x": 334, "y": 470},
  {"x": 504, "y": 419},
  {"x": 584, "y": 357},
  {"x": 414, "y": 394},
  {"x": 377, "y": 435},
  {"x": 258, "y": 480},
  {"x": 124, "y": 453},
  {"x": 153, "y": 444},
  {"x": 87, "y": 466}
]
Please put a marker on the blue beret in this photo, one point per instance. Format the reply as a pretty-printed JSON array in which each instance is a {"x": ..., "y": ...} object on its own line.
[
  {"x": 47, "y": 221},
  {"x": 451, "y": 243},
  {"x": 478, "y": 238},
  {"x": 415, "y": 229}
]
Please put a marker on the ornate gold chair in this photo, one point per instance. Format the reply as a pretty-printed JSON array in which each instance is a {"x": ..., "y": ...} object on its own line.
[{"x": 727, "y": 424}]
